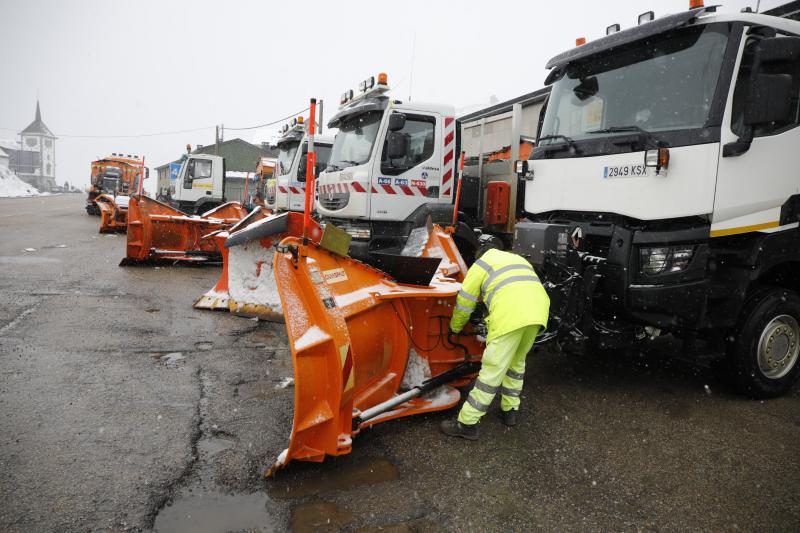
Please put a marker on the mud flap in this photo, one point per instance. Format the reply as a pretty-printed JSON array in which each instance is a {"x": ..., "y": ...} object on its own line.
[
  {"x": 158, "y": 232},
  {"x": 355, "y": 335}
]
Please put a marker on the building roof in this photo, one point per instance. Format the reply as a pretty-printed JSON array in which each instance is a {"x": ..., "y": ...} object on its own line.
[
  {"x": 240, "y": 156},
  {"x": 9, "y": 145},
  {"x": 37, "y": 127},
  {"x": 2, "y": 152},
  {"x": 504, "y": 107}
]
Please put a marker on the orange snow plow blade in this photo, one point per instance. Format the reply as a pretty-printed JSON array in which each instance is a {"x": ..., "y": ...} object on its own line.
[
  {"x": 367, "y": 347},
  {"x": 158, "y": 232},
  {"x": 113, "y": 212}
]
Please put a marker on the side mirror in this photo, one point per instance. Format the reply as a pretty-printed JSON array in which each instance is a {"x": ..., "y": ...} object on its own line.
[
  {"x": 769, "y": 99},
  {"x": 396, "y": 145},
  {"x": 397, "y": 121}
]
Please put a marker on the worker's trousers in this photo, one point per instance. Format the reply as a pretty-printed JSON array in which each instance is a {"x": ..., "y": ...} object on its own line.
[{"x": 502, "y": 370}]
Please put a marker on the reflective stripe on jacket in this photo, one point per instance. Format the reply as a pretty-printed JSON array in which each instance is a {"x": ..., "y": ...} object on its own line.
[{"x": 511, "y": 290}]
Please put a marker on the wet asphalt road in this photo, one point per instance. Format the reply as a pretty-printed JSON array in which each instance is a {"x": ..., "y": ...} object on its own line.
[{"x": 122, "y": 408}]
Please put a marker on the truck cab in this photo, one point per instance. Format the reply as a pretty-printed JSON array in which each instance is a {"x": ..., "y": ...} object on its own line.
[
  {"x": 391, "y": 165},
  {"x": 287, "y": 192},
  {"x": 661, "y": 197},
  {"x": 117, "y": 174},
  {"x": 201, "y": 183}
]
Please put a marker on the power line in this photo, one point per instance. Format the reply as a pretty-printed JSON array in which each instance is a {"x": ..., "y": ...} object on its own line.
[
  {"x": 269, "y": 123},
  {"x": 163, "y": 133}
]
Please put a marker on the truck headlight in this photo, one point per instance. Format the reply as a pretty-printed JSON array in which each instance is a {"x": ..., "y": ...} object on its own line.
[
  {"x": 665, "y": 259},
  {"x": 358, "y": 233}
]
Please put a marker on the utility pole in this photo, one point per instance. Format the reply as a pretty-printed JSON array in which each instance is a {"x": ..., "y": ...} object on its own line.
[
  {"x": 320, "y": 106},
  {"x": 216, "y": 141}
]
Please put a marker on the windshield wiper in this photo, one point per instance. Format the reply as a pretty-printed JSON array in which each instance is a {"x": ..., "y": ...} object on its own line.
[
  {"x": 352, "y": 162},
  {"x": 625, "y": 129}
]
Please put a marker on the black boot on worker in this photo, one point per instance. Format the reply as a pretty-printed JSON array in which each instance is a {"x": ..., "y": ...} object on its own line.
[
  {"x": 509, "y": 418},
  {"x": 454, "y": 428}
]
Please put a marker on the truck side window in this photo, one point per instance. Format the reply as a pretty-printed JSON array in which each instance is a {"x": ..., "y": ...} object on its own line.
[
  {"x": 420, "y": 133},
  {"x": 199, "y": 169},
  {"x": 323, "y": 156},
  {"x": 790, "y": 68}
]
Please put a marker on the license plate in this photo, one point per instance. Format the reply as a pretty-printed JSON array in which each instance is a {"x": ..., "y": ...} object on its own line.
[{"x": 624, "y": 171}]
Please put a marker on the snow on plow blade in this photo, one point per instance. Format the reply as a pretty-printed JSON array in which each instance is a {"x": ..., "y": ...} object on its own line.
[
  {"x": 113, "y": 212},
  {"x": 247, "y": 284},
  {"x": 158, "y": 232},
  {"x": 365, "y": 348}
]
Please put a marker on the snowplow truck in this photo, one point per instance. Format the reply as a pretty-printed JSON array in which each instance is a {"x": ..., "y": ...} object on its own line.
[
  {"x": 115, "y": 175},
  {"x": 660, "y": 197},
  {"x": 392, "y": 165},
  {"x": 200, "y": 186},
  {"x": 287, "y": 191}
]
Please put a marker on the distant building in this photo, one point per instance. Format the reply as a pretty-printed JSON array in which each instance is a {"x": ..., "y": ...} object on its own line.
[
  {"x": 4, "y": 158},
  {"x": 33, "y": 158}
]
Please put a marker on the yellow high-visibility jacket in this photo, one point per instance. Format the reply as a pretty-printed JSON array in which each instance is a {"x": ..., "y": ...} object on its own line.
[{"x": 511, "y": 290}]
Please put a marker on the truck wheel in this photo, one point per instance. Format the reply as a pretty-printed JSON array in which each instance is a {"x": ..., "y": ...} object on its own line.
[{"x": 763, "y": 357}]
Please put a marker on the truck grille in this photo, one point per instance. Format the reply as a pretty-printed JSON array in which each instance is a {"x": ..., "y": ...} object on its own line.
[{"x": 334, "y": 201}]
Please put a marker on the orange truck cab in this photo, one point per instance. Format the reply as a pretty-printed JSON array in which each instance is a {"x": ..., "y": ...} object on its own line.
[{"x": 115, "y": 175}]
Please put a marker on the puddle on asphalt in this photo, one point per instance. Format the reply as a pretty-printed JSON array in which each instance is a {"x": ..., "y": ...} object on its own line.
[
  {"x": 319, "y": 516},
  {"x": 213, "y": 511},
  {"x": 212, "y": 446},
  {"x": 333, "y": 476},
  {"x": 171, "y": 359}
]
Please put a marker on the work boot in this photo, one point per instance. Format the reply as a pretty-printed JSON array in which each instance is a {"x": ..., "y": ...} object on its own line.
[
  {"x": 509, "y": 418},
  {"x": 454, "y": 428}
]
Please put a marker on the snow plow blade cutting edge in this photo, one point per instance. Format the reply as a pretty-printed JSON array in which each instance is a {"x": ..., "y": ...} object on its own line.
[{"x": 359, "y": 339}]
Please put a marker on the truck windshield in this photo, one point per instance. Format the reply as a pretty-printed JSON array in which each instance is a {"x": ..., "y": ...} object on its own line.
[
  {"x": 286, "y": 156},
  {"x": 664, "y": 85},
  {"x": 354, "y": 141}
]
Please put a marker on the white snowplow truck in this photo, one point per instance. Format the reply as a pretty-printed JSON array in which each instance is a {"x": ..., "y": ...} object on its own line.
[
  {"x": 662, "y": 197},
  {"x": 391, "y": 166},
  {"x": 201, "y": 184},
  {"x": 286, "y": 190}
]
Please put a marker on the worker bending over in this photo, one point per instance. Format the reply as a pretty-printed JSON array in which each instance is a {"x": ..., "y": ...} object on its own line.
[{"x": 518, "y": 307}]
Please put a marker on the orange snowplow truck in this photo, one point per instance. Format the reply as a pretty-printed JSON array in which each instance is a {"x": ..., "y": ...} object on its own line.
[{"x": 114, "y": 175}]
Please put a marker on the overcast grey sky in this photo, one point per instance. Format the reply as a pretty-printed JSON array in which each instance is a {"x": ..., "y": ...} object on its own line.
[{"x": 109, "y": 68}]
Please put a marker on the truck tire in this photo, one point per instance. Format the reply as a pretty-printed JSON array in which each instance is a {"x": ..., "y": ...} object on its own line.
[{"x": 762, "y": 358}]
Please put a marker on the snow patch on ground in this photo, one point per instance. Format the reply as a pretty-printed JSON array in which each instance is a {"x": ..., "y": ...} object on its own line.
[
  {"x": 13, "y": 187},
  {"x": 285, "y": 382}
]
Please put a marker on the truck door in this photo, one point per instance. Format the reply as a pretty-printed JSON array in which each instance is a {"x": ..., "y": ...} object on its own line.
[
  {"x": 754, "y": 184},
  {"x": 409, "y": 171},
  {"x": 197, "y": 180}
]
